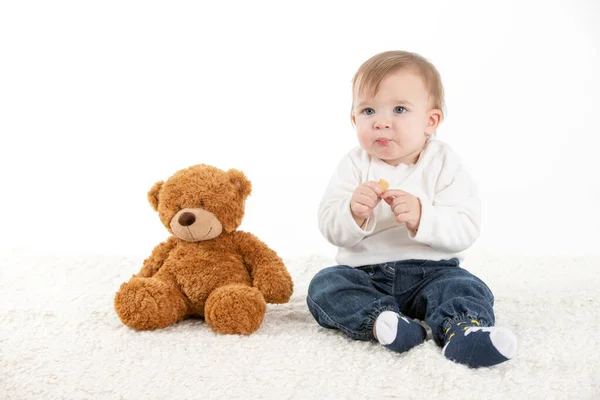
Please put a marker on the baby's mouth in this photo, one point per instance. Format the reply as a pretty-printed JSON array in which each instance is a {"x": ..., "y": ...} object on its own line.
[{"x": 383, "y": 142}]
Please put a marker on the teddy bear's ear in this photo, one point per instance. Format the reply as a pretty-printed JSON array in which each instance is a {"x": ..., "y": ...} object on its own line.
[
  {"x": 153, "y": 195},
  {"x": 240, "y": 181}
]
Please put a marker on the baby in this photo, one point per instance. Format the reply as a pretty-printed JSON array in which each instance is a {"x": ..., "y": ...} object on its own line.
[{"x": 400, "y": 249}]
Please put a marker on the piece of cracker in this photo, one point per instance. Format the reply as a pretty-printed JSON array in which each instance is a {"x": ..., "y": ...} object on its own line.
[{"x": 383, "y": 184}]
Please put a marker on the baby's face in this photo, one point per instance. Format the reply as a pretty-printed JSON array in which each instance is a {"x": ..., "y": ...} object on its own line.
[{"x": 394, "y": 124}]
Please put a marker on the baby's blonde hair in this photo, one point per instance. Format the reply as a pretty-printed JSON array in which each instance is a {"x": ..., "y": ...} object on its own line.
[{"x": 375, "y": 69}]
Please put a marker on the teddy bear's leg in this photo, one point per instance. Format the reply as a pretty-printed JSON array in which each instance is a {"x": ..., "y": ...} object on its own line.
[
  {"x": 235, "y": 309},
  {"x": 149, "y": 303}
]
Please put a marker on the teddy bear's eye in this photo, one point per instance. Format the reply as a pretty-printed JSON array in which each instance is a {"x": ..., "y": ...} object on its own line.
[
  {"x": 179, "y": 206},
  {"x": 201, "y": 203}
]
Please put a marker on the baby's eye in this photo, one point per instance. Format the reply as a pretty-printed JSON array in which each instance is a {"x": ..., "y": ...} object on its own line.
[
  {"x": 399, "y": 110},
  {"x": 368, "y": 111}
]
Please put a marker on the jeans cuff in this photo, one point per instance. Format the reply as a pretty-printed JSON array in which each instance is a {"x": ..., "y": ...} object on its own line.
[{"x": 373, "y": 317}]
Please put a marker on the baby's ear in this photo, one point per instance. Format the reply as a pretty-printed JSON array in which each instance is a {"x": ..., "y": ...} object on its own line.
[
  {"x": 154, "y": 193},
  {"x": 240, "y": 181}
]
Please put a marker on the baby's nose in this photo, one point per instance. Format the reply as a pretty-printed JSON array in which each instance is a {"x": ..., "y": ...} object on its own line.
[
  {"x": 187, "y": 219},
  {"x": 382, "y": 124}
]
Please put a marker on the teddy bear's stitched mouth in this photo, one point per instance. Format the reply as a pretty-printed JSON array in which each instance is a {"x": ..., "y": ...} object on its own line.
[
  {"x": 197, "y": 240},
  {"x": 208, "y": 233}
]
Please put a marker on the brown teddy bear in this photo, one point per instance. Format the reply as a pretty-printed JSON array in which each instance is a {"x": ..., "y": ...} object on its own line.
[{"x": 207, "y": 268}]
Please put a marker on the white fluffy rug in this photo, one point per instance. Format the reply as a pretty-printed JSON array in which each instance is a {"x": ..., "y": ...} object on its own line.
[{"x": 60, "y": 339}]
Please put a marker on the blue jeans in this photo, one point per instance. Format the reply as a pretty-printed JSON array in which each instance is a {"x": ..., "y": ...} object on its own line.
[{"x": 437, "y": 292}]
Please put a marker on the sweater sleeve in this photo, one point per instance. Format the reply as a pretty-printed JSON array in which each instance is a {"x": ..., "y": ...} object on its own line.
[
  {"x": 335, "y": 218},
  {"x": 452, "y": 222}
]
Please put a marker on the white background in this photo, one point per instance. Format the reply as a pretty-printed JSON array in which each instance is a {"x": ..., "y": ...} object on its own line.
[{"x": 98, "y": 100}]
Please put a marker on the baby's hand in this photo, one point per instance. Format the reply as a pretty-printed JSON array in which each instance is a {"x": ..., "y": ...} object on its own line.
[
  {"x": 364, "y": 199},
  {"x": 405, "y": 206}
]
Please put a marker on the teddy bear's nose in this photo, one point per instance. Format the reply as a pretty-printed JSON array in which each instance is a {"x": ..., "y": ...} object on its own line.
[{"x": 186, "y": 219}]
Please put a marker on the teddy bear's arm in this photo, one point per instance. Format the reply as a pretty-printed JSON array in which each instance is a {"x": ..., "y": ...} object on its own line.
[
  {"x": 160, "y": 253},
  {"x": 267, "y": 269}
]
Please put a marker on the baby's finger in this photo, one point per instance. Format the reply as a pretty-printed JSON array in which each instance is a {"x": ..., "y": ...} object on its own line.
[
  {"x": 366, "y": 199},
  {"x": 359, "y": 209},
  {"x": 393, "y": 200},
  {"x": 399, "y": 200},
  {"x": 393, "y": 193},
  {"x": 368, "y": 192},
  {"x": 400, "y": 209},
  {"x": 374, "y": 186}
]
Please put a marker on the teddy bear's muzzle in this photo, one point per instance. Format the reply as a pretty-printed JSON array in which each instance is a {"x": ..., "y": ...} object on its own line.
[{"x": 195, "y": 225}]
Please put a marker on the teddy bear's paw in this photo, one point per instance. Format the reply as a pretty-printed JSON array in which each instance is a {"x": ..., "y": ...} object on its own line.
[
  {"x": 276, "y": 290},
  {"x": 147, "y": 303},
  {"x": 235, "y": 309}
]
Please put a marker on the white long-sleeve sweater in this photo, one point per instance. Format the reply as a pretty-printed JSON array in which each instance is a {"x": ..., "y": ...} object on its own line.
[{"x": 450, "y": 209}]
